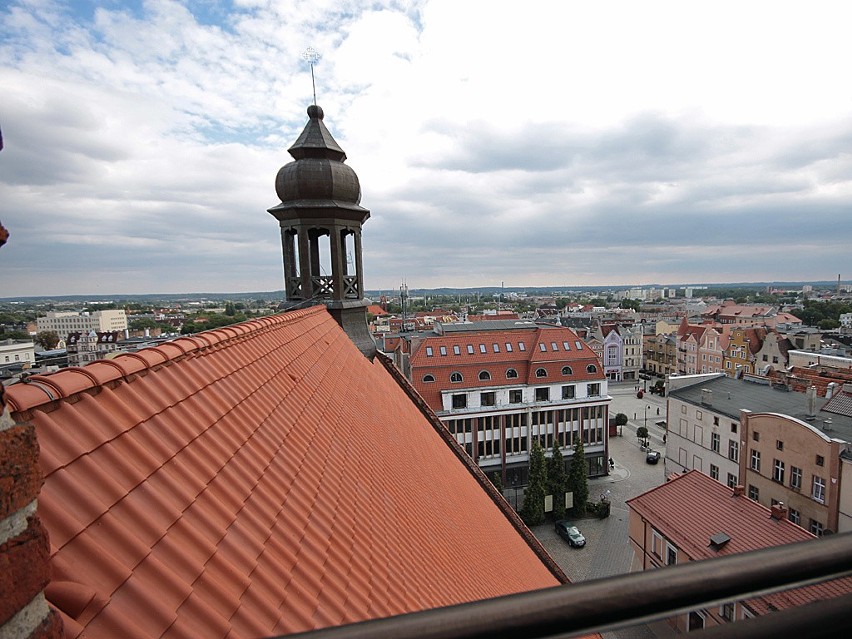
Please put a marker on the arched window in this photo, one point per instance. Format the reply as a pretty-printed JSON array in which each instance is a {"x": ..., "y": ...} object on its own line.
[
  {"x": 591, "y": 368},
  {"x": 428, "y": 378},
  {"x": 511, "y": 374},
  {"x": 540, "y": 372},
  {"x": 484, "y": 376},
  {"x": 456, "y": 377},
  {"x": 566, "y": 370}
]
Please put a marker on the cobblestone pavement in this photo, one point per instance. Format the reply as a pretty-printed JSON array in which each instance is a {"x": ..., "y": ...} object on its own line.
[{"x": 607, "y": 551}]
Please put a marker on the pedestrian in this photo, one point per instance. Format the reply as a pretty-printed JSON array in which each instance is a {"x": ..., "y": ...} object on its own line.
[{"x": 611, "y": 463}]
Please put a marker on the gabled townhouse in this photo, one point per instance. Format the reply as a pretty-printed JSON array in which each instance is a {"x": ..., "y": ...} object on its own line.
[
  {"x": 692, "y": 518},
  {"x": 773, "y": 353},
  {"x": 612, "y": 350},
  {"x": 711, "y": 349},
  {"x": 660, "y": 354},
  {"x": 729, "y": 312},
  {"x": 740, "y": 354},
  {"x": 781, "y": 445},
  {"x": 497, "y": 389}
]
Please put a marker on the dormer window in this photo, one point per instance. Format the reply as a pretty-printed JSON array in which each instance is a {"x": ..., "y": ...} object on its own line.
[
  {"x": 484, "y": 376},
  {"x": 540, "y": 372},
  {"x": 456, "y": 377},
  {"x": 566, "y": 370},
  {"x": 591, "y": 368},
  {"x": 428, "y": 378},
  {"x": 511, "y": 374}
]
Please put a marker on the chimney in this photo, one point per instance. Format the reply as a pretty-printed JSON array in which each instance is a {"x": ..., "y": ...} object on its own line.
[
  {"x": 706, "y": 397},
  {"x": 739, "y": 491},
  {"x": 831, "y": 390},
  {"x": 779, "y": 511},
  {"x": 811, "y": 394}
]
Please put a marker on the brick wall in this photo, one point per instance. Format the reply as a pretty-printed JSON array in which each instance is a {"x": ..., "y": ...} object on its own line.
[{"x": 24, "y": 547}]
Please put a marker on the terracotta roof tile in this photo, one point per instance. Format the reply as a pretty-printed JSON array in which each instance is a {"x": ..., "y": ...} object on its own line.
[{"x": 260, "y": 479}]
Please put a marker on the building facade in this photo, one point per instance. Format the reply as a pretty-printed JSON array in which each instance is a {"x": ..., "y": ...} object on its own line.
[
  {"x": 65, "y": 323},
  {"x": 498, "y": 390}
]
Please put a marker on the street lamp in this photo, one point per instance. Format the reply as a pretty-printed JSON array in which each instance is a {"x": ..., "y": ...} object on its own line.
[{"x": 647, "y": 408}]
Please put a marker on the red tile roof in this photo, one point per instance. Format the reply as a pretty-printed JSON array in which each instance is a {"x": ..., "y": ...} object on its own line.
[
  {"x": 692, "y": 507},
  {"x": 498, "y": 360},
  {"x": 260, "y": 479}
]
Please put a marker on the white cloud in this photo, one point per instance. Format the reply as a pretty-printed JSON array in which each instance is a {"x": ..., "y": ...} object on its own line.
[{"x": 542, "y": 143}]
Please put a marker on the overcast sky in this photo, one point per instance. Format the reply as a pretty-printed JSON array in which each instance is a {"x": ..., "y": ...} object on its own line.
[{"x": 532, "y": 143}]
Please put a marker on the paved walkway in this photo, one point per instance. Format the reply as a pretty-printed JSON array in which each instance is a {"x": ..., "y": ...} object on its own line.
[{"x": 607, "y": 551}]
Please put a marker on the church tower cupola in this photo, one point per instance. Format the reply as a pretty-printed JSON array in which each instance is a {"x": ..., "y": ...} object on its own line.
[{"x": 321, "y": 218}]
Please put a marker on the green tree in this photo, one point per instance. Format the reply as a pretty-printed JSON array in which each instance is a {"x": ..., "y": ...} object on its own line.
[
  {"x": 620, "y": 419},
  {"x": 230, "y": 310},
  {"x": 828, "y": 324},
  {"x": 578, "y": 479},
  {"x": 532, "y": 511},
  {"x": 47, "y": 339},
  {"x": 557, "y": 481},
  {"x": 497, "y": 481},
  {"x": 642, "y": 432},
  {"x": 18, "y": 335}
]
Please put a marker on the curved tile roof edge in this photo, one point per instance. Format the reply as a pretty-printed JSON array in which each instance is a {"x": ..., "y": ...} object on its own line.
[
  {"x": 68, "y": 382},
  {"x": 474, "y": 469}
]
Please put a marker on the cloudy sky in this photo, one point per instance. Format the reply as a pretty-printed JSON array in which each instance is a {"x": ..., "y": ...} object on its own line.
[{"x": 532, "y": 143}]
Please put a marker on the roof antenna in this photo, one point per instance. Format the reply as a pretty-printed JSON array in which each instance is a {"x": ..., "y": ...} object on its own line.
[{"x": 312, "y": 56}]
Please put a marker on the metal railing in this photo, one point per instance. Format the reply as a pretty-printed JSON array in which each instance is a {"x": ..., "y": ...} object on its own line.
[{"x": 628, "y": 600}]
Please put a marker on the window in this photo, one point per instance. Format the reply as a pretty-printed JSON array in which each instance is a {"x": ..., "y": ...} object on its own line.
[
  {"x": 698, "y": 415},
  {"x": 734, "y": 450},
  {"x": 443, "y": 350},
  {"x": 460, "y": 401},
  {"x": 795, "y": 478},
  {"x": 508, "y": 347},
  {"x": 656, "y": 544},
  {"x": 482, "y": 349},
  {"x": 484, "y": 376},
  {"x": 726, "y": 611},
  {"x": 820, "y": 460},
  {"x": 779, "y": 445},
  {"x": 566, "y": 370},
  {"x": 778, "y": 471},
  {"x": 715, "y": 420},
  {"x": 755, "y": 460},
  {"x": 591, "y": 368},
  {"x": 714, "y": 442},
  {"x": 671, "y": 554},
  {"x": 516, "y": 396},
  {"x": 732, "y": 480},
  {"x": 456, "y": 378},
  {"x": 795, "y": 516},
  {"x": 429, "y": 351},
  {"x": 714, "y": 472},
  {"x": 488, "y": 399},
  {"x": 542, "y": 394},
  {"x": 470, "y": 349},
  {"x": 566, "y": 346},
  {"x": 456, "y": 350},
  {"x": 818, "y": 492},
  {"x": 496, "y": 347},
  {"x": 553, "y": 346},
  {"x": 568, "y": 392},
  {"x": 578, "y": 344},
  {"x": 733, "y": 427},
  {"x": 522, "y": 347},
  {"x": 753, "y": 492},
  {"x": 428, "y": 378},
  {"x": 815, "y": 528},
  {"x": 542, "y": 347},
  {"x": 755, "y": 436},
  {"x": 593, "y": 390},
  {"x": 540, "y": 372},
  {"x": 511, "y": 373}
]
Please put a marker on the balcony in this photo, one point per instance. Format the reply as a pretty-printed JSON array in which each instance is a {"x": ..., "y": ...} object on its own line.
[{"x": 620, "y": 602}]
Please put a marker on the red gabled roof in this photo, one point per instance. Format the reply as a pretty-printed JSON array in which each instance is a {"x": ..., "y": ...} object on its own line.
[
  {"x": 692, "y": 507},
  {"x": 256, "y": 480},
  {"x": 496, "y": 361}
]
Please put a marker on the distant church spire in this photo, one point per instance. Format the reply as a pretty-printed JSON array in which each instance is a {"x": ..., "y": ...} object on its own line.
[{"x": 321, "y": 218}]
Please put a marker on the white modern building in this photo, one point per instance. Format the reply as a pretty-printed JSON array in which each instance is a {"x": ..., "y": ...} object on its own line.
[
  {"x": 16, "y": 352},
  {"x": 65, "y": 322}
]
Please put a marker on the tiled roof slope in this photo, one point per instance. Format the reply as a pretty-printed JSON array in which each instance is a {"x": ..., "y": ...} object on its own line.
[
  {"x": 257, "y": 480},
  {"x": 692, "y": 507}
]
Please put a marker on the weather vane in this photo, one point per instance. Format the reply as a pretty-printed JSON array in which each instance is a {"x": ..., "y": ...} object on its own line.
[{"x": 312, "y": 56}]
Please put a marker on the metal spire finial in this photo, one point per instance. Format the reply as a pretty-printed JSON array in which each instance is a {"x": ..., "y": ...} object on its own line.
[{"x": 312, "y": 56}]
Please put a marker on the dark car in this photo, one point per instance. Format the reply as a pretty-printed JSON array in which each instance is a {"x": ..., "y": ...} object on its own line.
[
  {"x": 570, "y": 533},
  {"x": 652, "y": 457}
]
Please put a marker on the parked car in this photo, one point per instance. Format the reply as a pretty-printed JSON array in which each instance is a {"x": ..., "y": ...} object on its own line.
[
  {"x": 570, "y": 533},
  {"x": 652, "y": 457}
]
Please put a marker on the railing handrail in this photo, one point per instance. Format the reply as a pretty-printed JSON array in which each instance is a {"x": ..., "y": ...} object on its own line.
[{"x": 624, "y": 600}]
